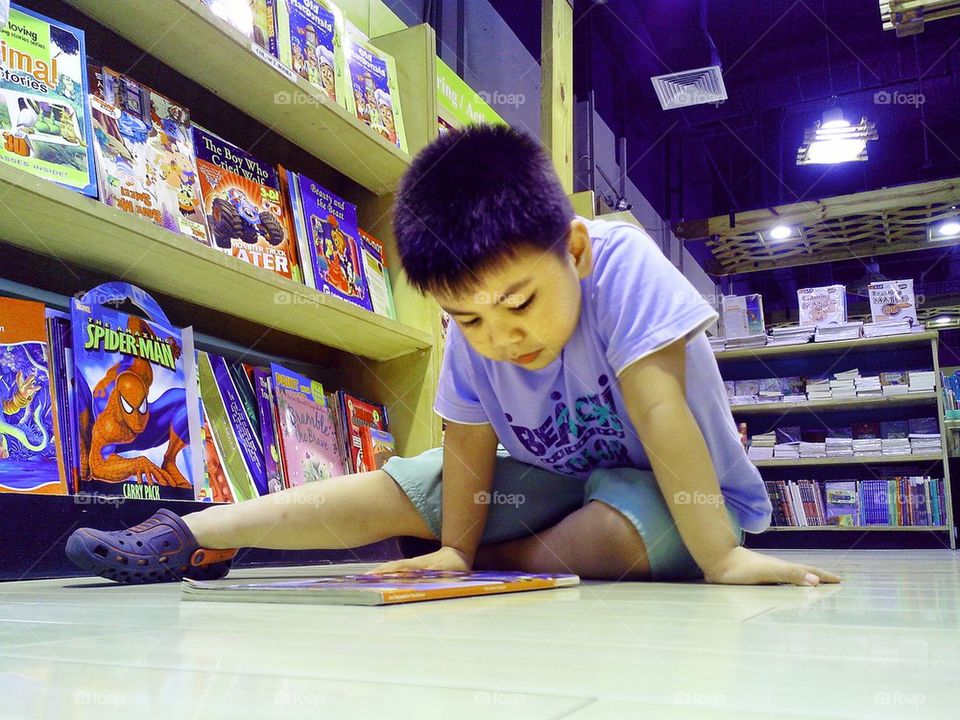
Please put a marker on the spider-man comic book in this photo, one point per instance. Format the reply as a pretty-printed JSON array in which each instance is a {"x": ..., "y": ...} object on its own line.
[{"x": 132, "y": 399}]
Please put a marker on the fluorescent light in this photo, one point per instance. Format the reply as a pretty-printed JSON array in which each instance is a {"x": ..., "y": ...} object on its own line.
[
  {"x": 943, "y": 320},
  {"x": 951, "y": 227},
  {"x": 781, "y": 232},
  {"x": 834, "y": 140},
  {"x": 948, "y": 229}
]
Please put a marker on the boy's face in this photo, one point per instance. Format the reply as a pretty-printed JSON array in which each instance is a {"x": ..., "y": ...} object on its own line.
[{"x": 526, "y": 311}]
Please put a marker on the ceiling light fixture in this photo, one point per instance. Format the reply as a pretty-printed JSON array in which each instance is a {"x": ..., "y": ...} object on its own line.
[{"x": 834, "y": 140}]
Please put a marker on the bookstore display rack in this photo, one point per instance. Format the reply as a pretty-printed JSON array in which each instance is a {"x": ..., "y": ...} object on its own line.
[
  {"x": 870, "y": 356},
  {"x": 394, "y": 362}
]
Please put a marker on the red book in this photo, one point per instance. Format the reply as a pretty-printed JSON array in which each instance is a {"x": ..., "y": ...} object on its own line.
[{"x": 357, "y": 414}]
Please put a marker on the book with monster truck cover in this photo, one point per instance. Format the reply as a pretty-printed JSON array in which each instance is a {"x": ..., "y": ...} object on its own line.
[
  {"x": 133, "y": 414},
  {"x": 245, "y": 210},
  {"x": 308, "y": 439},
  {"x": 44, "y": 116},
  {"x": 30, "y": 461}
]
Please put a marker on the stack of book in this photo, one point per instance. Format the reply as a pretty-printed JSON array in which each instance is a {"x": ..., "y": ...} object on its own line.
[
  {"x": 921, "y": 381},
  {"x": 792, "y": 335},
  {"x": 813, "y": 449},
  {"x": 749, "y": 341},
  {"x": 840, "y": 331},
  {"x": 869, "y": 386},
  {"x": 839, "y": 443},
  {"x": 844, "y": 384},
  {"x": 794, "y": 389},
  {"x": 717, "y": 343},
  {"x": 924, "y": 435},
  {"x": 745, "y": 392},
  {"x": 894, "y": 383},
  {"x": 771, "y": 390},
  {"x": 951, "y": 394},
  {"x": 883, "y": 329},
  {"x": 787, "y": 443},
  {"x": 894, "y": 446},
  {"x": 894, "y": 436},
  {"x": 866, "y": 439},
  {"x": 761, "y": 446},
  {"x": 819, "y": 390}
]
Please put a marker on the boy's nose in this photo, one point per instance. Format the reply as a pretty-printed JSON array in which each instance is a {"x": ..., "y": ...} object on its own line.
[{"x": 504, "y": 335}]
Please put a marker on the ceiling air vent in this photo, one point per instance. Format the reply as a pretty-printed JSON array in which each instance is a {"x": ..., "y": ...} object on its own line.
[{"x": 690, "y": 87}]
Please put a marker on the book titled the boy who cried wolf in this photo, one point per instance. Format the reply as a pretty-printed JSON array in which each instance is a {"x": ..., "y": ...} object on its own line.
[{"x": 133, "y": 400}]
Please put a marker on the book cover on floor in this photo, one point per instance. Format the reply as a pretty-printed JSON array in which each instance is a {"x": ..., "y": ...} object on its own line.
[
  {"x": 131, "y": 396},
  {"x": 234, "y": 435},
  {"x": 309, "y": 43},
  {"x": 372, "y": 94},
  {"x": 144, "y": 153},
  {"x": 333, "y": 241},
  {"x": 44, "y": 117},
  {"x": 29, "y": 459},
  {"x": 243, "y": 205},
  {"x": 369, "y": 589},
  {"x": 308, "y": 439}
]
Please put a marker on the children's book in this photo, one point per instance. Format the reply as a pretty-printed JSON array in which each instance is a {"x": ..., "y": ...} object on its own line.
[
  {"x": 266, "y": 407},
  {"x": 377, "y": 446},
  {"x": 144, "y": 153},
  {"x": 58, "y": 339},
  {"x": 254, "y": 18},
  {"x": 235, "y": 437},
  {"x": 333, "y": 239},
  {"x": 866, "y": 430},
  {"x": 742, "y": 315},
  {"x": 290, "y": 186},
  {"x": 892, "y": 301},
  {"x": 246, "y": 214},
  {"x": 357, "y": 414},
  {"x": 370, "y": 589},
  {"x": 372, "y": 89},
  {"x": 309, "y": 42},
  {"x": 133, "y": 425},
  {"x": 29, "y": 459},
  {"x": 308, "y": 439},
  {"x": 822, "y": 305},
  {"x": 378, "y": 279},
  {"x": 892, "y": 429},
  {"x": 44, "y": 117}
]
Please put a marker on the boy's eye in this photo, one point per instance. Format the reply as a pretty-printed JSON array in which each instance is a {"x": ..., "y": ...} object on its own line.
[
  {"x": 470, "y": 323},
  {"x": 523, "y": 306}
]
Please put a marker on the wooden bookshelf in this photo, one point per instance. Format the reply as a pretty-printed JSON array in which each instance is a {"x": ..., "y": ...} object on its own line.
[
  {"x": 813, "y": 348},
  {"x": 59, "y": 223},
  {"x": 865, "y": 460},
  {"x": 188, "y": 37},
  {"x": 782, "y": 408}
]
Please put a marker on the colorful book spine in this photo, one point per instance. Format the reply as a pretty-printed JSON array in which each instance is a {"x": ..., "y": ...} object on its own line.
[
  {"x": 273, "y": 463},
  {"x": 378, "y": 279}
]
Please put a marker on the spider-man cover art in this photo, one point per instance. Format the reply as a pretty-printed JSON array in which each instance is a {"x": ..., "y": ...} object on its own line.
[{"x": 132, "y": 412}]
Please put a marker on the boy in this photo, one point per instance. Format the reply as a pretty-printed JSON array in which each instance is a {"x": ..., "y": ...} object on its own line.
[{"x": 578, "y": 347}]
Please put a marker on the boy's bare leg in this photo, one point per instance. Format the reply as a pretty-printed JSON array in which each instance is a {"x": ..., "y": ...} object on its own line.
[
  {"x": 341, "y": 512},
  {"x": 595, "y": 542}
]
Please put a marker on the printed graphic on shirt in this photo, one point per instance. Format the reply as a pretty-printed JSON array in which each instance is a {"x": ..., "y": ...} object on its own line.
[{"x": 579, "y": 437}]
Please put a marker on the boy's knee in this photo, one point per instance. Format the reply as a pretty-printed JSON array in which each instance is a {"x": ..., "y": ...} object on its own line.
[{"x": 620, "y": 541}]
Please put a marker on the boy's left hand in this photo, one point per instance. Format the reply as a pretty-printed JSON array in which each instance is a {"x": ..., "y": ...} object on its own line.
[
  {"x": 446, "y": 558},
  {"x": 745, "y": 567}
]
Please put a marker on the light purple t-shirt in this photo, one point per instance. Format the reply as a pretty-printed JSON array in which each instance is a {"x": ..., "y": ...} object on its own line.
[{"x": 569, "y": 417}]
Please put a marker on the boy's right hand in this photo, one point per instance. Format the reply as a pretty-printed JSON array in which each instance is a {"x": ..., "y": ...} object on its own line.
[{"x": 446, "y": 558}]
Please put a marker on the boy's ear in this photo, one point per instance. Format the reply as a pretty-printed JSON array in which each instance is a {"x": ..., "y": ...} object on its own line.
[{"x": 579, "y": 247}]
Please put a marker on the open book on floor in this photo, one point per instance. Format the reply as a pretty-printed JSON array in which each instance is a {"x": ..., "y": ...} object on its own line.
[{"x": 386, "y": 589}]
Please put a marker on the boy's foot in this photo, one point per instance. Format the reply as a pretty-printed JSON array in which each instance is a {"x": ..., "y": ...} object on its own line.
[{"x": 160, "y": 549}]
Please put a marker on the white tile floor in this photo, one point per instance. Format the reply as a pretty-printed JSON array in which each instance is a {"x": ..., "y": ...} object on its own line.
[{"x": 884, "y": 644}]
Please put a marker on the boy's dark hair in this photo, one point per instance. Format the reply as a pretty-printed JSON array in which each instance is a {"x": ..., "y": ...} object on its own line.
[{"x": 470, "y": 200}]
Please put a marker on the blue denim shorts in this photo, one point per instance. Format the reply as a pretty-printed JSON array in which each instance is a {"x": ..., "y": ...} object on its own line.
[{"x": 526, "y": 499}]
